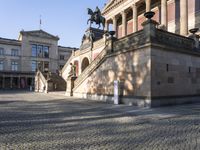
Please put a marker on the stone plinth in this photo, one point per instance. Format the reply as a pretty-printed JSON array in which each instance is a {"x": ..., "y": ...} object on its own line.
[{"x": 70, "y": 86}]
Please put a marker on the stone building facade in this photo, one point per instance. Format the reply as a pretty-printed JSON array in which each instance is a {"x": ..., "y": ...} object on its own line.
[
  {"x": 155, "y": 61},
  {"x": 34, "y": 50},
  {"x": 177, "y": 16}
]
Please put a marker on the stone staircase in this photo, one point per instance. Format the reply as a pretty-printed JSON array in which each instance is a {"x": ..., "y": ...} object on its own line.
[
  {"x": 65, "y": 71},
  {"x": 93, "y": 65},
  {"x": 40, "y": 82},
  {"x": 49, "y": 82},
  {"x": 56, "y": 82}
]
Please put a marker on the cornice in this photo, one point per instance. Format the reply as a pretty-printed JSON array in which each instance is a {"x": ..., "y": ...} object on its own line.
[{"x": 112, "y": 5}]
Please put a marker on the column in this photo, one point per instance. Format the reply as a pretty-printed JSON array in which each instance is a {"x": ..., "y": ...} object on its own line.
[
  {"x": 124, "y": 24},
  {"x": 11, "y": 82},
  {"x": 183, "y": 17},
  {"x": 164, "y": 13},
  {"x": 18, "y": 82},
  {"x": 3, "y": 84},
  {"x": 115, "y": 25},
  {"x": 148, "y": 5},
  {"x": 106, "y": 26},
  {"x": 135, "y": 18}
]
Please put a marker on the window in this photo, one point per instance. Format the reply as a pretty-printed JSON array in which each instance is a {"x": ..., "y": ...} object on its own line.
[
  {"x": 33, "y": 65},
  {"x": 46, "y": 51},
  {"x": 167, "y": 67},
  {"x": 34, "y": 50},
  {"x": 189, "y": 70},
  {"x": 61, "y": 66},
  {"x": 14, "y": 52},
  {"x": 1, "y": 65},
  {"x": 1, "y": 51},
  {"x": 62, "y": 57},
  {"x": 14, "y": 66},
  {"x": 40, "y": 51}
]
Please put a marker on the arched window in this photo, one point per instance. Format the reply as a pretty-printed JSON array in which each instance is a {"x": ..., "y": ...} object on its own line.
[{"x": 84, "y": 64}]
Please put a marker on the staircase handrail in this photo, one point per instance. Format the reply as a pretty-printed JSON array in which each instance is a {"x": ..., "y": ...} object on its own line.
[
  {"x": 67, "y": 63},
  {"x": 42, "y": 77},
  {"x": 91, "y": 67}
]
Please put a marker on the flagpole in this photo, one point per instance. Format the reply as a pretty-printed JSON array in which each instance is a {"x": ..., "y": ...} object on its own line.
[{"x": 40, "y": 22}]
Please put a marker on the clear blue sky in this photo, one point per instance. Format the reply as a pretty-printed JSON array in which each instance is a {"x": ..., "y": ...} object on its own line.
[{"x": 65, "y": 18}]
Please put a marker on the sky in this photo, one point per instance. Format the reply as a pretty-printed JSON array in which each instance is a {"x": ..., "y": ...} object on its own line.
[{"x": 65, "y": 18}]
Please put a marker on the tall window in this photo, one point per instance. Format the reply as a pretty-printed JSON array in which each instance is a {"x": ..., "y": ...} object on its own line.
[
  {"x": 1, "y": 65},
  {"x": 34, "y": 50},
  {"x": 1, "y": 51},
  {"x": 46, "y": 51},
  {"x": 62, "y": 57},
  {"x": 14, "y": 52},
  {"x": 40, "y": 51},
  {"x": 33, "y": 65},
  {"x": 14, "y": 66}
]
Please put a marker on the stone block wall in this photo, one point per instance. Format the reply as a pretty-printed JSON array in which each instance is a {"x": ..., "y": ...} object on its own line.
[
  {"x": 175, "y": 74},
  {"x": 131, "y": 68}
]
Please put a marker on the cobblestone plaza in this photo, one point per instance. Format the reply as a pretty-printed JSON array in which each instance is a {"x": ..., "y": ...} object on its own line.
[{"x": 40, "y": 121}]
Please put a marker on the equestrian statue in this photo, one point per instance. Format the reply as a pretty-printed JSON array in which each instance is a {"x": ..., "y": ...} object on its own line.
[{"x": 96, "y": 17}]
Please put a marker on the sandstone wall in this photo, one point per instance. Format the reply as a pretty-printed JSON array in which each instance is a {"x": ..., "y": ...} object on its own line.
[
  {"x": 175, "y": 74},
  {"x": 131, "y": 68}
]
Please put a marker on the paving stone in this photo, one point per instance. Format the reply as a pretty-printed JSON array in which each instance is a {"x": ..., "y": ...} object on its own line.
[{"x": 49, "y": 121}]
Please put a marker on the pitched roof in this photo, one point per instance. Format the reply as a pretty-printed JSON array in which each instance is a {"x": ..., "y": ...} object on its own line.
[{"x": 39, "y": 33}]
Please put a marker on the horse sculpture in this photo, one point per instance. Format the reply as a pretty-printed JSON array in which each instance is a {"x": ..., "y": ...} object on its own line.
[{"x": 96, "y": 17}]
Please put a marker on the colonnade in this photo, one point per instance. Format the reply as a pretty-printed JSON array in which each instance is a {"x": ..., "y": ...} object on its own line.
[{"x": 164, "y": 17}]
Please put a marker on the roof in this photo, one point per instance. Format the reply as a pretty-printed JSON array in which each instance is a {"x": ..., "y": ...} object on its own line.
[
  {"x": 71, "y": 48},
  {"x": 10, "y": 41},
  {"x": 39, "y": 33}
]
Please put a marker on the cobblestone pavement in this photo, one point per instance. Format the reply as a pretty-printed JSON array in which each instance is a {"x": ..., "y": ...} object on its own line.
[{"x": 39, "y": 121}]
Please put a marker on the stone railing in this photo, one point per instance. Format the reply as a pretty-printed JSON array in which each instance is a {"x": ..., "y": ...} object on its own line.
[
  {"x": 90, "y": 68},
  {"x": 159, "y": 37},
  {"x": 134, "y": 39},
  {"x": 64, "y": 69},
  {"x": 174, "y": 40},
  {"x": 99, "y": 43},
  {"x": 42, "y": 77},
  {"x": 86, "y": 46}
]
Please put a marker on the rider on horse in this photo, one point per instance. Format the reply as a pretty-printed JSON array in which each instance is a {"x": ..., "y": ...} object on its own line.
[{"x": 97, "y": 13}]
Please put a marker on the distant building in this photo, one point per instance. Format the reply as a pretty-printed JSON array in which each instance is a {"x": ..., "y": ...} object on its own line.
[{"x": 19, "y": 59}]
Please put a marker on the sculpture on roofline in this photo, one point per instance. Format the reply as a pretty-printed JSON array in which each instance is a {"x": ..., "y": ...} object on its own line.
[{"x": 96, "y": 17}]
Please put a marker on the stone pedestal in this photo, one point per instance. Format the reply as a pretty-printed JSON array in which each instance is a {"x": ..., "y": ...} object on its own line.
[
  {"x": 149, "y": 29},
  {"x": 70, "y": 86}
]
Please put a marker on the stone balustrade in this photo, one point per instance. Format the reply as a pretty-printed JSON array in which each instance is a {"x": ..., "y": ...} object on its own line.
[
  {"x": 90, "y": 68},
  {"x": 174, "y": 40},
  {"x": 137, "y": 38}
]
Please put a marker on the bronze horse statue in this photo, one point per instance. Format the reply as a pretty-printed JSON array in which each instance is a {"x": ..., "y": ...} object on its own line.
[{"x": 96, "y": 17}]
